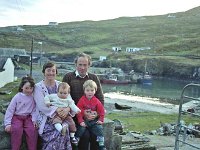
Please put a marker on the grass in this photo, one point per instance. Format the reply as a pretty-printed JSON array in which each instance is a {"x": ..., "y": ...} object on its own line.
[
  {"x": 13, "y": 87},
  {"x": 163, "y": 34},
  {"x": 132, "y": 121},
  {"x": 147, "y": 121},
  {"x": 171, "y": 41}
]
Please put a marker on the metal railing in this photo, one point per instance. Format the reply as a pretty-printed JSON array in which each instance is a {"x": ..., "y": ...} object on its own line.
[{"x": 181, "y": 130}]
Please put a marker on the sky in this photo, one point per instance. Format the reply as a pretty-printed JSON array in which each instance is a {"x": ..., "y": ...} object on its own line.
[{"x": 41, "y": 12}]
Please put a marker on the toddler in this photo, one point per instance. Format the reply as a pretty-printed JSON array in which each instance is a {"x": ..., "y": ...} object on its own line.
[{"x": 89, "y": 104}]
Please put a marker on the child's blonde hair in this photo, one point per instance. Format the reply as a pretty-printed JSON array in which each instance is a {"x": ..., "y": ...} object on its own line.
[
  {"x": 64, "y": 86},
  {"x": 91, "y": 84}
]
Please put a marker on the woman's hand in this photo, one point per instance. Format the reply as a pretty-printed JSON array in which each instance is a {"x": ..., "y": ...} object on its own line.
[
  {"x": 35, "y": 124},
  {"x": 8, "y": 128},
  {"x": 63, "y": 112}
]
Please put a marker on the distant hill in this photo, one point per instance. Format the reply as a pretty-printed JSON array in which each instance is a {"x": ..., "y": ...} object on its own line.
[{"x": 170, "y": 34}]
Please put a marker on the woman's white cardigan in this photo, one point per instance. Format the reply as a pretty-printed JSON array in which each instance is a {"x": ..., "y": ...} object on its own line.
[{"x": 40, "y": 92}]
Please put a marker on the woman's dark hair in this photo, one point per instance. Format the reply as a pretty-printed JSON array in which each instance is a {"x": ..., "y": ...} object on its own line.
[
  {"x": 24, "y": 81},
  {"x": 49, "y": 65}
]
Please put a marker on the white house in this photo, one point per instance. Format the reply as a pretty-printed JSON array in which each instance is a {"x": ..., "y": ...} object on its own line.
[
  {"x": 116, "y": 49},
  {"x": 132, "y": 49},
  {"x": 102, "y": 58},
  {"x": 53, "y": 23},
  {"x": 171, "y": 16},
  {"x": 135, "y": 49},
  {"x": 6, "y": 71},
  {"x": 20, "y": 29}
]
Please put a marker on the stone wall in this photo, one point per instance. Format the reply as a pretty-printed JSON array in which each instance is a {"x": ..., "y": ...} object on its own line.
[{"x": 112, "y": 140}]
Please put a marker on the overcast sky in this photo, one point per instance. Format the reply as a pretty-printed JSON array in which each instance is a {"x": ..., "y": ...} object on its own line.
[{"x": 41, "y": 12}]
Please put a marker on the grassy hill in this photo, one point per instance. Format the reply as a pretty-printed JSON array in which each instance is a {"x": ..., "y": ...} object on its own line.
[{"x": 175, "y": 34}]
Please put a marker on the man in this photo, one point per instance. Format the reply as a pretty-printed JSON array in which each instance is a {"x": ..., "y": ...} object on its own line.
[{"x": 75, "y": 80}]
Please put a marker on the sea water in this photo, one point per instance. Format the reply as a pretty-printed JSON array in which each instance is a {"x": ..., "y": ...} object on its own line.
[{"x": 163, "y": 88}]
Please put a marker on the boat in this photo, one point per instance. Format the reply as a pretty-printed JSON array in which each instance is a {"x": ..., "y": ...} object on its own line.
[
  {"x": 112, "y": 79},
  {"x": 146, "y": 77}
]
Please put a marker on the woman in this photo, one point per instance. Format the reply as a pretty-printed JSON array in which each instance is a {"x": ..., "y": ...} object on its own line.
[{"x": 52, "y": 139}]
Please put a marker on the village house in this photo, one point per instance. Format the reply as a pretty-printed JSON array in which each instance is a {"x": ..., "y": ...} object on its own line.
[
  {"x": 135, "y": 49},
  {"x": 24, "y": 59},
  {"x": 102, "y": 58},
  {"x": 171, "y": 16},
  {"x": 6, "y": 71},
  {"x": 11, "y": 52},
  {"x": 18, "y": 54},
  {"x": 132, "y": 49},
  {"x": 20, "y": 29},
  {"x": 116, "y": 49},
  {"x": 53, "y": 23}
]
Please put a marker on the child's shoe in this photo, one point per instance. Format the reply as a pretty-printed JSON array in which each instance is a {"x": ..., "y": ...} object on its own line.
[
  {"x": 73, "y": 140},
  {"x": 101, "y": 143},
  {"x": 100, "y": 140},
  {"x": 102, "y": 148}
]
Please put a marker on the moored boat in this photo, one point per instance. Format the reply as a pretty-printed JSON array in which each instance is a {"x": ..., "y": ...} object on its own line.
[
  {"x": 109, "y": 81},
  {"x": 112, "y": 79},
  {"x": 146, "y": 79}
]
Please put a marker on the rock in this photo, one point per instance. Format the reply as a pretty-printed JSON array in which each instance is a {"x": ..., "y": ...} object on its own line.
[
  {"x": 121, "y": 107},
  {"x": 5, "y": 92},
  {"x": 1, "y": 117},
  {"x": 5, "y": 139},
  {"x": 112, "y": 141},
  {"x": 135, "y": 141},
  {"x": 118, "y": 126}
]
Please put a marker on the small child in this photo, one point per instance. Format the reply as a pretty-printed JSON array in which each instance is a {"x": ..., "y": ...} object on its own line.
[
  {"x": 63, "y": 99},
  {"x": 21, "y": 116},
  {"x": 89, "y": 104}
]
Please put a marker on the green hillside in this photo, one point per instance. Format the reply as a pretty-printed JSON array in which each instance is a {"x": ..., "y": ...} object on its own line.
[
  {"x": 174, "y": 40},
  {"x": 171, "y": 34}
]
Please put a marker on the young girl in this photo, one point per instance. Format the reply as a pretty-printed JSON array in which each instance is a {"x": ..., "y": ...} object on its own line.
[
  {"x": 89, "y": 104},
  {"x": 21, "y": 116}
]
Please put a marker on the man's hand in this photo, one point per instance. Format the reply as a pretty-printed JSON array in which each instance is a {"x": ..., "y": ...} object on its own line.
[
  {"x": 63, "y": 112},
  {"x": 99, "y": 122},
  {"x": 83, "y": 124},
  {"x": 90, "y": 115}
]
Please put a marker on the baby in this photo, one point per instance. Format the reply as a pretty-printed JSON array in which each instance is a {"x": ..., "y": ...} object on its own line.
[{"x": 63, "y": 99}]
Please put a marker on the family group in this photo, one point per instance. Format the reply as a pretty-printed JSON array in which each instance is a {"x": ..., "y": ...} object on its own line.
[{"x": 62, "y": 115}]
